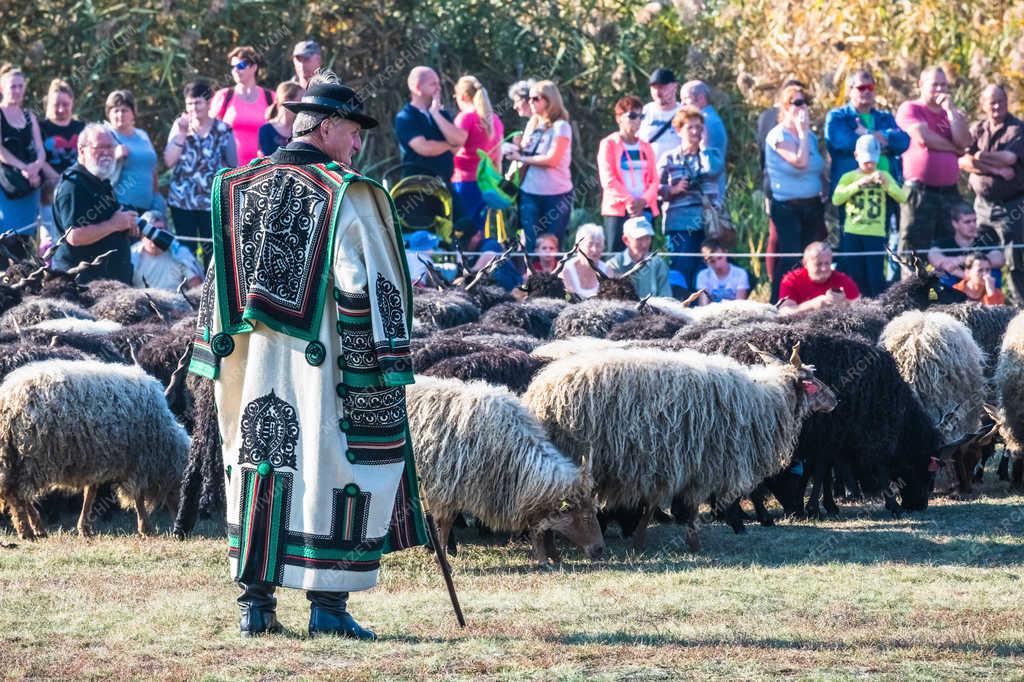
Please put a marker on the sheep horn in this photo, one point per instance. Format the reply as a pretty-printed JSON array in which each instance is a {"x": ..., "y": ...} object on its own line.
[
  {"x": 765, "y": 356},
  {"x": 460, "y": 260},
  {"x": 600, "y": 275},
  {"x": 642, "y": 304},
  {"x": 794, "y": 358},
  {"x": 490, "y": 267},
  {"x": 181, "y": 290},
  {"x": 34, "y": 276},
  {"x": 638, "y": 266},
  {"x": 153, "y": 306},
  {"x": 178, "y": 376},
  {"x": 85, "y": 265},
  {"x": 779, "y": 303},
  {"x": 692, "y": 298},
  {"x": 48, "y": 254},
  {"x": 993, "y": 413},
  {"x": 565, "y": 259},
  {"x": 435, "y": 277}
]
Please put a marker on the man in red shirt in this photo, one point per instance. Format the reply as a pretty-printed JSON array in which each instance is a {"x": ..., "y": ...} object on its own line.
[
  {"x": 939, "y": 134},
  {"x": 815, "y": 284}
]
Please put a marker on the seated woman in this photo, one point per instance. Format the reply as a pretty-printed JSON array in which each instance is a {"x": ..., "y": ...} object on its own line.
[
  {"x": 978, "y": 284},
  {"x": 578, "y": 276}
]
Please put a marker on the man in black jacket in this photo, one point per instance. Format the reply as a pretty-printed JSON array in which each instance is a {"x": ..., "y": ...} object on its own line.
[{"x": 85, "y": 207}]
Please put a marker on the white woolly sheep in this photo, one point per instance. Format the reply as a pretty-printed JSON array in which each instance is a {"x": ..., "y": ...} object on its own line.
[
  {"x": 78, "y": 424},
  {"x": 479, "y": 450},
  {"x": 71, "y": 324},
  {"x": 1009, "y": 382},
  {"x": 657, "y": 424}
]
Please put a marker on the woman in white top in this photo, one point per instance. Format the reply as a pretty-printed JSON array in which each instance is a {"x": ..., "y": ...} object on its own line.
[
  {"x": 578, "y": 276},
  {"x": 546, "y": 193}
]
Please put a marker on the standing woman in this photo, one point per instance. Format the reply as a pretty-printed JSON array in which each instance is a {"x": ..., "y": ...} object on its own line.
[
  {"x": 628, "y": 171},
  {"x": 21, "y": 147},
  {"x": 136, "y": 183},
  {"x": 688, "y": 178},
  {"x": 277, "y": 131},
  {"x": 244, "y": 106},
  {"x": 60, "y": 132},
  {"x": 546, "y": 193},
  {"x": 197, "y": 148},
  {"x": 794, "y": 167},
  {"x": 484, "y": 130}
]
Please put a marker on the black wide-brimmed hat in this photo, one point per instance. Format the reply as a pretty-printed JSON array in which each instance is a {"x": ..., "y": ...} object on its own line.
[{"x": 333, "y": 99}]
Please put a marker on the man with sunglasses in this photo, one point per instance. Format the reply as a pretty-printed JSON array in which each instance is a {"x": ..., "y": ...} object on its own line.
[{"x": 939, "y": 134}]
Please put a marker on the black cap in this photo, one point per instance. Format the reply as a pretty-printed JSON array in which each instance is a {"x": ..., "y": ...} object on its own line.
[
  {"x": 329, "y": 98},
  {"x": 661, "y": 76}
]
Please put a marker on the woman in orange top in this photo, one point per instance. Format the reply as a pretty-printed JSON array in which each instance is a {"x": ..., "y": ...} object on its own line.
[
  {"x": 628, "y": 170},
  {"x": 979, "y": 284}
]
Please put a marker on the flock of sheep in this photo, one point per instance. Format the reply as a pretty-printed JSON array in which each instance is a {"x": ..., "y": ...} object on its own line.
[{"x": 540, "y": 414}]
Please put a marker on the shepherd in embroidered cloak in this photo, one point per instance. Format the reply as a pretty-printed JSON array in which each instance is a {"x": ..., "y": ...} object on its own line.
[{"x": 304, "y": 325}]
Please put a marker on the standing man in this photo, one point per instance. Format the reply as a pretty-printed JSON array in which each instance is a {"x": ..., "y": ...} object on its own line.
[
  {"x": 696, "y": 94},
  {"x": 84, "y": 203},
  {"x": 995, "y": 161},
  {"x": 938, "y": 135},
  {"x": 426, "y": 132},
  {"x": 306, "y": 58},
  {"x": 304, "y": 325},
  {"x": 656, "y": 128}
]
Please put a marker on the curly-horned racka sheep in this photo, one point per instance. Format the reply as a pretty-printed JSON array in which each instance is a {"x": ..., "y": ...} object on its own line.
[
  {"x": 79, "y": 424},
  {"x": 534, "y": 316},
  {"x": 33, "y": 310},
  {"x": 443, "y": 309},
  {"x": 502, "y": 366},
  {"x": 131, "y": 306},
  {"x": 940, "y": 360},
  {"x": 202, "y": 483},
  {"x": 593, "y": 317},
  {"x": 1009, "y": 380},
  {"x": 708, "y": 425},
  {"x": 94, "y": 346},
  {"x": 478, "y": 450}
]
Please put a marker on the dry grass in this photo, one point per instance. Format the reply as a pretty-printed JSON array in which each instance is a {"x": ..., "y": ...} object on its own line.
[{"x": 936, "y": 595}]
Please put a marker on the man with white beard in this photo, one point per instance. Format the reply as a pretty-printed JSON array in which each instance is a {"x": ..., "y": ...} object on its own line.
[{"x": 85, "y": 207}]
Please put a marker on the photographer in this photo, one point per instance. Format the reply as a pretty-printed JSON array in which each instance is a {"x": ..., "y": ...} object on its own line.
[
  {"x": 159, "y": 260},
  {"x": 85, "y": 207}
]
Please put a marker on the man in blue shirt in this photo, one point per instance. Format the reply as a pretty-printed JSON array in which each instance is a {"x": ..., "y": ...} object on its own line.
[
  {"x": 427, "y": 135},
  {"x": 696, "y": 94},
  {"x": 845, "y": 124}
]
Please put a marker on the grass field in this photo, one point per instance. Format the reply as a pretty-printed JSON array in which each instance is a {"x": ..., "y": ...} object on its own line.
[{"x": 934, "y": 595}]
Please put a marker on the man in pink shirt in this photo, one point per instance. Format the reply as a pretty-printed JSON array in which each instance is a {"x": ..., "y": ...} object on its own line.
[{"x": 939, "y": 134}]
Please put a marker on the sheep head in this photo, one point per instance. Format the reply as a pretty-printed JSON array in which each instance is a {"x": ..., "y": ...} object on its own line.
[{"x": 575, "y": 519}]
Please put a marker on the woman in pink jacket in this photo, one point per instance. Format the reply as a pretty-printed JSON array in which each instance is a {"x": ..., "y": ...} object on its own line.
[{"x": 628, "y": 169}]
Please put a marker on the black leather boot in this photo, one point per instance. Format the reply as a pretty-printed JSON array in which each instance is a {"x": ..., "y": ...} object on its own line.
[
  {"x": 259, "y": 610},
  {"x": 328, "y": 616}
]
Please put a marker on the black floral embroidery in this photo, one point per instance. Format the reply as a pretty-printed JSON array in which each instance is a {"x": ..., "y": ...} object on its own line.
[
  {"x": 390, "y": 303},
  {"x": 270, "y": 432}
]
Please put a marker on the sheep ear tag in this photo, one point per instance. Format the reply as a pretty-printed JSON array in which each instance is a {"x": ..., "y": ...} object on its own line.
[{"x": 810, "y": 388}]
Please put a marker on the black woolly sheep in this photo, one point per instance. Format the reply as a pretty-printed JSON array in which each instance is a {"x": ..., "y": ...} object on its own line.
[
  {"x": 647, "y": 327},
  {"x": 987, "y": 323},
  {"x": 476, "y": 328},
  {"x": 443, "y": 309},
  {"x": 535, "y": 316},
  {"x": 517, "y": 341},
  {"x": 100, "y": 288},
  {"x": 34, "y": 310},
  {"x": 544, "y": 285},
  {"x": 486, "y": 296},
  {"x": 202, "y": 482},
  {"x": 62, "y": 286},
  {"x": 427, "y": 353},
  {"x": 8, "y": 298},
  {"x": 131, "y": 306},
  {"x": 593, "y": 317},
  {"x": 864, "y": 435},
  {"x": 94, "y": 346},
  {"x": 14, "y": 355},
  {"x": 503, "y": 366}
]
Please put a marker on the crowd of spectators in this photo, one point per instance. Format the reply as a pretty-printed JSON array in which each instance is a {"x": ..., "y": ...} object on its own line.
[{"x": 662, "y": 171}]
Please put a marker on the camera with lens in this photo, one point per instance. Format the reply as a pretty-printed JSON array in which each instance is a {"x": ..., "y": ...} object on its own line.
[{"x": 162, "y": 238}]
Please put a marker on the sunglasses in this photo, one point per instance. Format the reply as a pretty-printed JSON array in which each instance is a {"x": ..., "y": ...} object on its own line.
[
  {"x": 634, "y": 116},
  {"x": 866, "y": 87},
  {"x": 536, "y": 98},
  {"x": 799, "y": 103},
  {"x": 242, "y": 64}
]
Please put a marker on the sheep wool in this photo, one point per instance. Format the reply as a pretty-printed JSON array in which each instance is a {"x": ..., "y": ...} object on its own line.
[
  {"x": 1009, "y": 382},
  {"x": 32, "y": 311},
  {"x": 593, "y": 317},
  {"x": 940, "y": 360}
]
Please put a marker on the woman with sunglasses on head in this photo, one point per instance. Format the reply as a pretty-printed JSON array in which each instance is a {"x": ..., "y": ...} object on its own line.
[
  {"x": 546, "y": 192},
  {"x": 794, "y": 166},
  {"x": 628, "y": 171},
  {"x": 243, "y": 106}
]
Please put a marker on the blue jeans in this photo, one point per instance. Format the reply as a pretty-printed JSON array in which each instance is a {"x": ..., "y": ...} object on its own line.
[
  {"x": 469, "y": 208},
  {"x": 21, "y": 214},
  {"x": 539, "y": 213},
  {"x": 687, "y": 266},
  {"x": 866, "y": 271}
]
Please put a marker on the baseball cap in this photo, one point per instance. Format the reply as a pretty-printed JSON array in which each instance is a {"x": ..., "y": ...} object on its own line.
[
  {"x": 306, "y": 48},
  {"x": 867, "y": 149},
  {"x": 634, "y": 228},
  {"x": 662, "y": 76},
  {"x": 421, "y": 240}
]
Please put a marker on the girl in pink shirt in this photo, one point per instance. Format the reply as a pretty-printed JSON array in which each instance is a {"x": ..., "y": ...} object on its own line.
[
  {"x": 243, "y": 107},
  {"x": 485, "y": 131}
]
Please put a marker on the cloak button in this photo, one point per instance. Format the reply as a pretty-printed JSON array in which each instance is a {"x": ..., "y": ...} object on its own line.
[
  {"x": 350, "y": 456},
  {"x": 264, "y": 468},
  {"x": 345, "y": 425},
  {"x": 222, "y": 345},
  {"x": 315, "y": 353},
  {"x": 351, "y": 490},
  {"x": 341, "y": 362},
  {"x": 342, "y": 390},
  {"x": 337, "y": 295}
]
